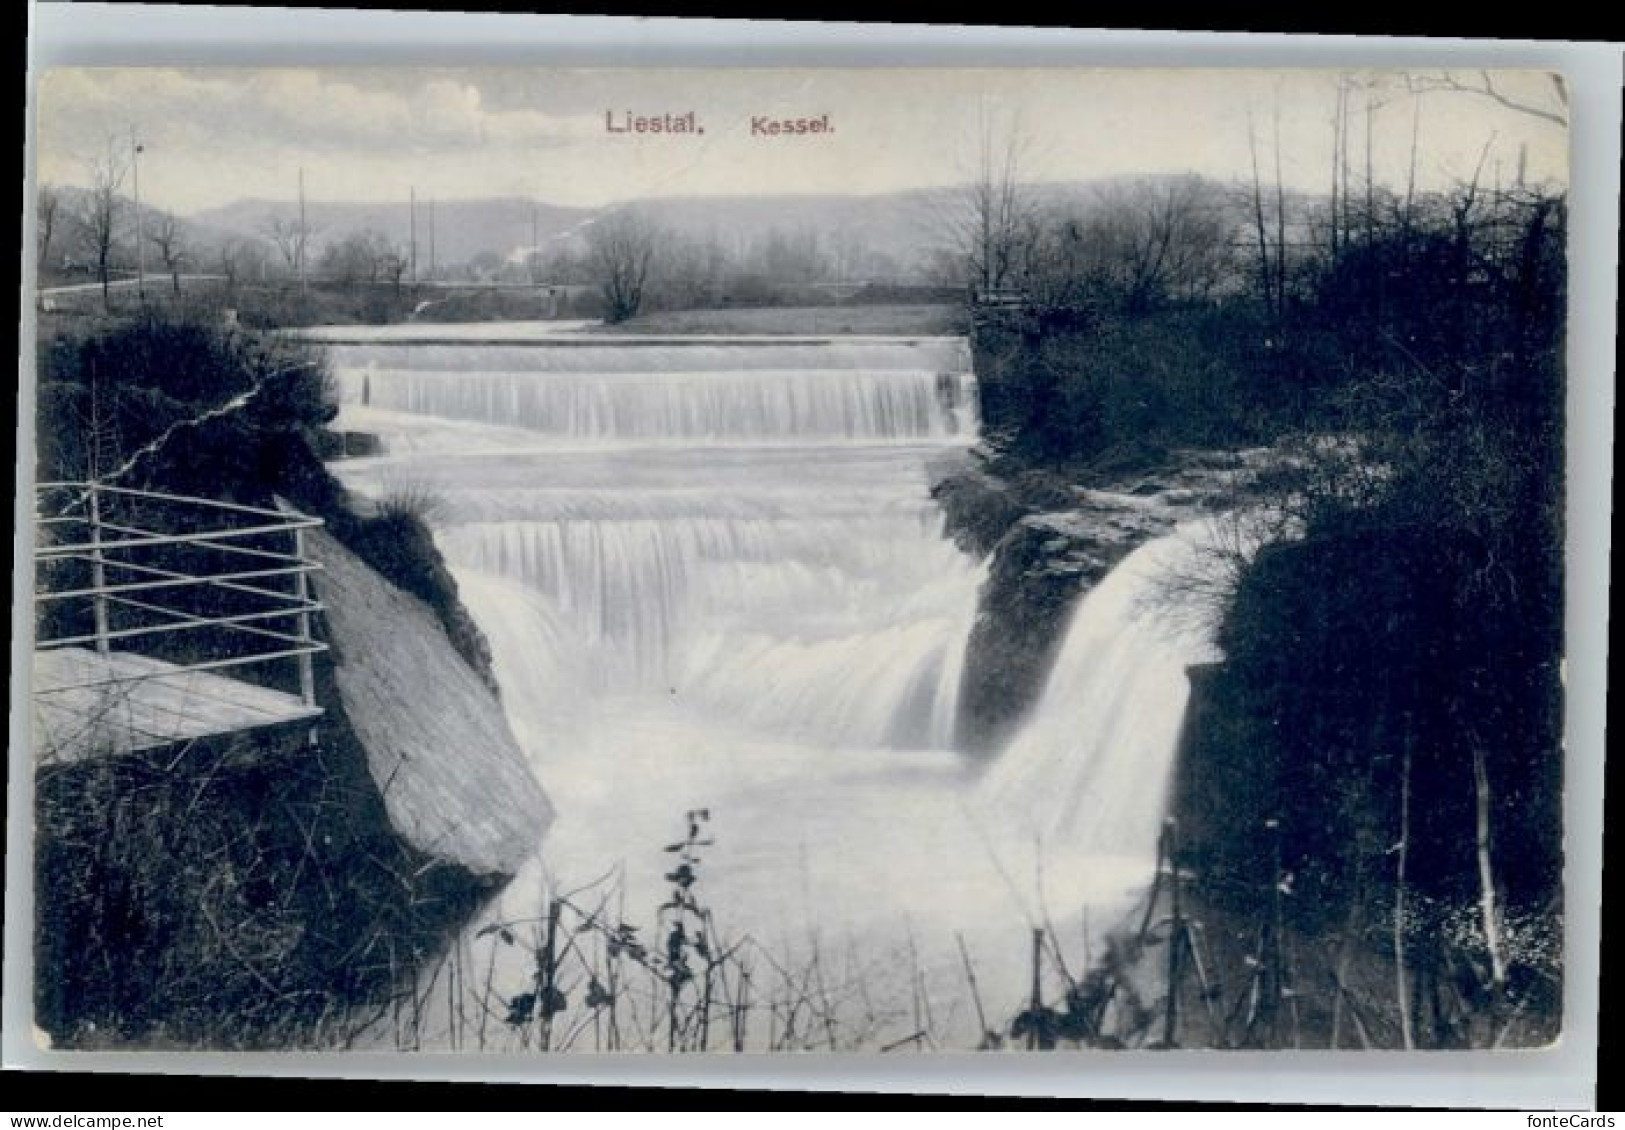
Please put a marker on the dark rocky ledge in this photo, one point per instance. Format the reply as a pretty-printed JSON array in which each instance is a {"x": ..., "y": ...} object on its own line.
[{"x": 1051, "y": 538}]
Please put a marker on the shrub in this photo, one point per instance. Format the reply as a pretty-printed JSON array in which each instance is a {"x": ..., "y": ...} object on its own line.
[
  {"x": 109, "y": 390},
  {"x": 243, "y": 892}
]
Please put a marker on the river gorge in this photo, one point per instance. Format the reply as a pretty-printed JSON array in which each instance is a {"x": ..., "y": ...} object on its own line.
[{"x": 714, "y": 576}]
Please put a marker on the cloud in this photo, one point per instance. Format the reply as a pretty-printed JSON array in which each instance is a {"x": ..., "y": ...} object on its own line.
[{"x": 81, "y": 107}]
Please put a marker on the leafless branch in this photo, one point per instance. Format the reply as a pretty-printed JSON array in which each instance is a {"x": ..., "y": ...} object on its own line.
[{"x": 1485, "y": 88}]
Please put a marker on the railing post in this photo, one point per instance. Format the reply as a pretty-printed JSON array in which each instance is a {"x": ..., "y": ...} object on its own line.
[
  {"x": 98, "y": 571},
  {"x": 301, "y": 581}
]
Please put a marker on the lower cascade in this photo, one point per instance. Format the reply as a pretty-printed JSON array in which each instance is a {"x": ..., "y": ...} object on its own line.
[
  {"x": 712, "y": 577},
  {"x": 1091, "y": 767}
]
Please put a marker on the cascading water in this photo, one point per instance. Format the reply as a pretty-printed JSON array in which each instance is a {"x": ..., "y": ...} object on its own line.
[
  {"x": 744, "y": 528},
  {"x": 578, "y": 390},
  {"x": 1091, "y": 767},
  {"x": 712, "y": 576}
]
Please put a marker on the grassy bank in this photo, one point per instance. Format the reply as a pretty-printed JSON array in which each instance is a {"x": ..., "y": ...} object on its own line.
[
  {"x": 922, "y": 319},
  {"x": 268, "y": 306},
  {"x": 274, "y": 305}
]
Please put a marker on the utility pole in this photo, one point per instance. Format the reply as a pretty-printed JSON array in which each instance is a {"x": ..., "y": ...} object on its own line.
[
  {"x": 535, "y": 242},
  {"x": 431, "y": 237},
  {"x": 304, "y": 235},
  {"x": 140, "y": 241},
  {"x": 412, "y": 244}
]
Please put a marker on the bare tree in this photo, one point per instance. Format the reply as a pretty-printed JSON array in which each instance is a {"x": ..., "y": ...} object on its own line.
[
  {"x": 695, "y": 270},
  {"x": 622, "y": 248},
  {"x": 846, "y": 254},
  {"x": 49, "y": 203},
  {"x": 1166, "y": 240},
  {"x": 102, "y": 208},
  {"x": 1555, "y": 111},
  {"x": 229, "y": 257},
  {"x": 990, "y": 224},
  {"x": 1134, "y": 245},
  {"x": 291, "y": 237},
  {"x": 1271, "y": 262},
  {"x": 1280, "y": 209},
  {"x": 1003, "y": 211},
  {"x": 795, "y": 256},
  {"x": 1340, "y": 116},
  {"x": 170, "y": 241}
]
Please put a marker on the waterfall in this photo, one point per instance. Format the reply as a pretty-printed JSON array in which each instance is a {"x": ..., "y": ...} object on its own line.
[
  {"x": 712, "y": 575},
  {"x": 741, "y": 527},
  {"x": 1091, "y": 768},
  {"x": 678, "y": 394}
]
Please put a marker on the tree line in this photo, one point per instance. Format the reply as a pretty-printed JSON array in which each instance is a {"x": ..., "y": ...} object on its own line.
[
  {"x": 626, "y": 258},
  {"x": 93, "y": 232}
]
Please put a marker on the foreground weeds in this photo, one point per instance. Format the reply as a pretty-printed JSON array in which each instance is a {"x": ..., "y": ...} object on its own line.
[{"x": 1194, "y": 968}]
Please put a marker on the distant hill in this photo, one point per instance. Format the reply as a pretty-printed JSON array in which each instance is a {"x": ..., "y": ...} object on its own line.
[
  {"x": 896, "y": 226},
  {"x": 902, "y": 229},
  {"x": 462, "y": 229}
]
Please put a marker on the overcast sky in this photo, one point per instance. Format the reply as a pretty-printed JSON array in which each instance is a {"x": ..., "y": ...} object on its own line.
[{"x": 213, "y": 135}]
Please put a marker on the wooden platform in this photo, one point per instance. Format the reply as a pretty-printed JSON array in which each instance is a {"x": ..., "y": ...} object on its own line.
[{"x": 137, "y": 702}]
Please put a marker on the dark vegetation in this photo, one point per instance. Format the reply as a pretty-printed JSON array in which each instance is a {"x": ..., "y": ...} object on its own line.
[
  {"x": 237, "y": 893},
  {"x": 1384, "y": 736},
  {"x": 241, "y": 892},
  {"x": 856, "y": 316},
  {"x": 1403, "y": 656},
  {"x": 1097, "y": 389}
]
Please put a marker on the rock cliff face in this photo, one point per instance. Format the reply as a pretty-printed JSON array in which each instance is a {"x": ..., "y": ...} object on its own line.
[
  {"x": 1051, "y": 540},
  {"x": 454, "y": 781}
]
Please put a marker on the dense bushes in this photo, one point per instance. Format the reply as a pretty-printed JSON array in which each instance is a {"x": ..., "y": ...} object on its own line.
[
  {"x": 1069, "y": 390},
  {"x": 1388, "y": 717},
  {"x": 108, "y": 390},
  {"x": 246, "y": 895},
  {"x": 1325, "y": 684},
  {"x": 1392, "y": 692}
]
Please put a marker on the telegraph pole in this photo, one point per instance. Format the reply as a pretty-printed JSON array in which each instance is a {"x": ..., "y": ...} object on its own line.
[
  {"x": 535, "y": 242},
  {"x": 304, "y": 235},
  {"x": 431, "y": 237},
  {"x": 412, "y": 207},
  {"x": 140, "y": 241}
]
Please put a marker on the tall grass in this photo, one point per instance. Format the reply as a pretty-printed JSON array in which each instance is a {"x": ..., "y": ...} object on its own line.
[{"x": 1184, "y": 970}]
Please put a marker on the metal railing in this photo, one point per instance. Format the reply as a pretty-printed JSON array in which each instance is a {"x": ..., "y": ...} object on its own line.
[{"x": 202, "y": 584}]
